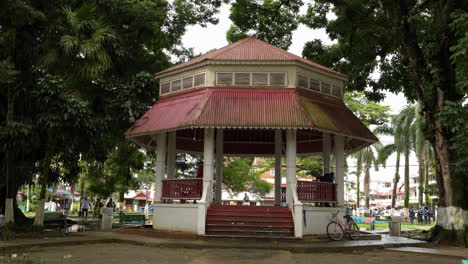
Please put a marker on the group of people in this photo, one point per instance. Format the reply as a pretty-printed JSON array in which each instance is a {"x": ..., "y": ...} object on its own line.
[
  {"x": 85, "y": 205},
  {"x": 327, "y": 177},
  {"x": 424, "y": 215}
]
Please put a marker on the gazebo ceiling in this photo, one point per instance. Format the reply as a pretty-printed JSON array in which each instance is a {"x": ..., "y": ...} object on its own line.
[{"x": 249, "y": 117}]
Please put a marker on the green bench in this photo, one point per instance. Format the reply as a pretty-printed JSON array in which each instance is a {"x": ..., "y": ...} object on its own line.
[{"x": 132, "y": 219}]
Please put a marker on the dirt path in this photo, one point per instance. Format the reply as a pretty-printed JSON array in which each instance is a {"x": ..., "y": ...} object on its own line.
[{"x": 132, "y": 254}]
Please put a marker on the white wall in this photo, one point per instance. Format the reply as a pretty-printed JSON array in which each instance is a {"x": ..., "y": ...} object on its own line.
[
  {"x": 317, "y": 219},
  {"x": 175, "y": 217}
]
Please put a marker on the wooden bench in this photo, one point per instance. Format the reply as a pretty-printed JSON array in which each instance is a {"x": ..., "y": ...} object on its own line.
[{"x": 132, "y": 218}]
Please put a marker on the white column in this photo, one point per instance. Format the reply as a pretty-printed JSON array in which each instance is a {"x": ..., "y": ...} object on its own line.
[
  {"x": 208, "y": 160},
  {"x": 291, "y": 181},
  {"x": 171, "y": 154},
  {"x": 339, "y": 168},
  {"x": 219, "y": 165},
  {"x": 278, "y": 167},
  {"x": 326, "y": 151},
  {"x": 160, "y": 164}
]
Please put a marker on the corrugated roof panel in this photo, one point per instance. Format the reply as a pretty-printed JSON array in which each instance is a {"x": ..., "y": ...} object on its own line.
[
  {"x": 249, "y": 49},
  {"x": 251, "y": 108}
]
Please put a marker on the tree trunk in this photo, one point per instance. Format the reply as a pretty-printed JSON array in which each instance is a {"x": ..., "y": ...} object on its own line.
[
  {"x": 28, "y": 198},
  {"x": 20, "y": 218},
  {"x": 396, "y": 179},
  {"x": 45, "y": 166},
  {"x": 10, "y": 164},
  {"x": 367, "y": 184},
  {"x": 407, "y": 182},
  {"x": 358, "y": 190},
  {"x": 426, "y": 173},
  {"x": 72, "y": 196},
  {"x": 421, "y": 170},
  {"x": 39, "y": 218}
]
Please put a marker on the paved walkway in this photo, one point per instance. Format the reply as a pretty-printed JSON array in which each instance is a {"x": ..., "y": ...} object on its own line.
[
  {"x": 456, "y": 252},
  {"x": 112, "y": 237}
]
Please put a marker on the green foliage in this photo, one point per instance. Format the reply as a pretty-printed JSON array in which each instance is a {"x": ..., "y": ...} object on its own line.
[
  {"x": 369, "y": 112},
  {"x": 75, "y": 208},
  {"x": 8, "y": 232},
  {"x": 272, "y": 21},
  {"x": 238, "y": 176},
  {"x": 309, "y": 166},
  {"x": 74, "y": 76},
  {"x": 117, "y": 173},
  {"x": 402, "y": 40}
]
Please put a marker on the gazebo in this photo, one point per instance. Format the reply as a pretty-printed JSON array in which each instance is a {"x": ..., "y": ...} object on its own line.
[{"x": 248, "y": 98}]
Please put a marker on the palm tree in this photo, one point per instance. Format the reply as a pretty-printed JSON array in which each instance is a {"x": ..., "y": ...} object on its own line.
[
  {"x": 423, "y": 152},
  {"x": 366, "y": 158},
  {"x": 85, "y": 43},
  {"x": 402, "y": 130}
]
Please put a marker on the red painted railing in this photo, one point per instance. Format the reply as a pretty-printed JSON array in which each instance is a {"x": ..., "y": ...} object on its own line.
[
  {"x": 308, "y": 191},
  {"x": 182, "y": 189}
]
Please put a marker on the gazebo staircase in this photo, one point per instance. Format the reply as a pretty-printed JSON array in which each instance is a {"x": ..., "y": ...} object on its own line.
[{"x": 249, "y": 221}]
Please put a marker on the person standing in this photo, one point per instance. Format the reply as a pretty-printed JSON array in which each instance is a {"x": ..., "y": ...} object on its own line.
[
  {"x": 420, "y": 216},
  {"x": 84, "y": 205},
  {"x": 429, "y": 216},
  {"x": 426, "y": 217},
  {"x": 111, "y": 204},
  {"x": 411, "y": 215}
]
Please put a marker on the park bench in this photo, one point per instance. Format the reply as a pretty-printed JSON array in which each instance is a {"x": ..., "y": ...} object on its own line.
[{"x": 132, "y": 219}]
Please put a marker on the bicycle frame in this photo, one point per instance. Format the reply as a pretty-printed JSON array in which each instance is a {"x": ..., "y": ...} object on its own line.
[{"x": 346, "y": 227}]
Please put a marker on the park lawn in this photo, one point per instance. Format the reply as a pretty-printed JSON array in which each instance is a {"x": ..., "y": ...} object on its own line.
[{"x": 405, "y": 225}]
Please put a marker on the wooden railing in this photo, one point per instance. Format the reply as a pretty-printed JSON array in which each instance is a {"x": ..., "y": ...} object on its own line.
[
  {"x": 311, "y": 191},
  {"x": 182, "y": 189}
]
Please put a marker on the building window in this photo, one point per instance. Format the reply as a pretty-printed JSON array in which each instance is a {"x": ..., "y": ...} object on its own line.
[
  {"x": 176, "y": 85},
  {"x": 306, "y": 82},
  {"x": 242, "y": 78},
  {"x": 272, "y": 172},
  {"x": 165, "y": 88},
  {"x": 251, "y": 78},
  {"x": 336, "y": 91},
  {"x": 277, "y": 79},
  {"x": 224, "y": 78},
  {"x": 302, "y": 81},
  {"x": 314, "y": 84},
  {"x": 259, "y": 78},
  {"x": 187, "y": 82},
  {"x": 326, "y": 88},
  {"x": 199, "y": 79}
]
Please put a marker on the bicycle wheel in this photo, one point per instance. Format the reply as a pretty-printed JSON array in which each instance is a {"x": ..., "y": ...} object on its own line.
[
  {"x": 353, "y": 231},
  {"x": 334, "y": 231}
]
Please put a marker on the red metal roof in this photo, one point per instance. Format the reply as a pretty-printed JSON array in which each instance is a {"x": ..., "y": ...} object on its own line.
[
  {"x": 249, "y": 49},
  {"x": 254, "y": 109}
]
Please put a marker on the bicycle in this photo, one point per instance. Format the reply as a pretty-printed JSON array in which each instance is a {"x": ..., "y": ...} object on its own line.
[{"x": 336, "y": 229}]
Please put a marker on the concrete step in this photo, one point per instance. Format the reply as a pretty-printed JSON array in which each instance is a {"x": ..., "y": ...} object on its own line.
[
  {"x": 264, "y": 227},
  {"x": 251, "y": 222},
  {"x": 249, "y": 232},
  {"x": 249, "y": 213},
  {"x": 260, "y": 219},
  {"x": 249, "y": 238},
  {"x": 250, "y": 208}
]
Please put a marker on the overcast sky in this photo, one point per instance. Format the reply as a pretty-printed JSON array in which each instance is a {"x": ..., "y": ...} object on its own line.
[{"x": 214, "y": 37}]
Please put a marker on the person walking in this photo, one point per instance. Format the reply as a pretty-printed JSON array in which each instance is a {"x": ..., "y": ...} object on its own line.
[{"x": 84, "y": 205}]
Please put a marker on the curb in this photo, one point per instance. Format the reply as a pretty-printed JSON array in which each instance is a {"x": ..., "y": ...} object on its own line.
[{"x": 198, "y": 244}]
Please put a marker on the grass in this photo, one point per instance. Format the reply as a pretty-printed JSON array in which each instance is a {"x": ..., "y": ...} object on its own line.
[{"x": 404, "y": 224}]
